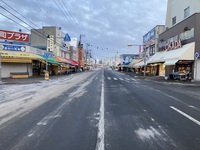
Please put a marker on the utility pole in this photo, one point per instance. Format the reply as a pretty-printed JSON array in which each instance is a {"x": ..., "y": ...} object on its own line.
[
  {"x": 86, "y": 57},
  {"x": 47, "y": 54},
  {"x": 79, "y": 52},
  {"x": 144, "y": 47}
]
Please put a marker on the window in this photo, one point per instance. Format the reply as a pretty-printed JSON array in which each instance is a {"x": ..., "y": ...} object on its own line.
[
  {"x": 187, "y": 34},
  {"x": 152, "y": 50},
  {"x": 174, "y": 20},
  {"x": 186, "y": 12}
]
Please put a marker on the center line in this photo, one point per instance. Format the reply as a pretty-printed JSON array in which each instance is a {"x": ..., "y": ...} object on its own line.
[
  {"x": 100, "y": 138},
  {"x": 186, "y": 115}
]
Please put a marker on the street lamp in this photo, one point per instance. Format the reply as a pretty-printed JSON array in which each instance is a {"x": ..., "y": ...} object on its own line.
[{"x": 144, "y": 55}]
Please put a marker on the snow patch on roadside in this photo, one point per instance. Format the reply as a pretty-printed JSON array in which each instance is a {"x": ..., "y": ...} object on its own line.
[
  {"x": 147, "y": 134},
  {"x": 18, "y": 100}
]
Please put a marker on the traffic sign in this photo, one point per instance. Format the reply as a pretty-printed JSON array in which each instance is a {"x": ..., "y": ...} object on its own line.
[
  {"x": 47, "y": 54},
  {"x": 196, "y": 55}
]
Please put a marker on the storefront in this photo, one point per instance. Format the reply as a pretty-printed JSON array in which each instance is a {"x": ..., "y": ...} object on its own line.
[
  {"x": 18, "y": 62},
  {"x": 180, "y": 59},
  {"x": 67, "y": 65}
]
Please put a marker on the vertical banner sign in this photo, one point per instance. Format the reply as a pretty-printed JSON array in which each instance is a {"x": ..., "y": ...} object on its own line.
[
  {"x": 51, "y": 43},
  {"x": 14, "y": 36}
]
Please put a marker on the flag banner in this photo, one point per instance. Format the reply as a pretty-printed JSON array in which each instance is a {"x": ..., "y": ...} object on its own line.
[
  {"x": 140, "y": 48},
  {"x": 67, "y": 38}
]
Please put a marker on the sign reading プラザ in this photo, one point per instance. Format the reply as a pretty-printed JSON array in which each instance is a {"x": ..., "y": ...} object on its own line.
[{"x": 14, "y": 36}]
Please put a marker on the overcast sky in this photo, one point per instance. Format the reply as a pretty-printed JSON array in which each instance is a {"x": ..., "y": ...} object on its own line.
[{"x": 108, "y": 25}]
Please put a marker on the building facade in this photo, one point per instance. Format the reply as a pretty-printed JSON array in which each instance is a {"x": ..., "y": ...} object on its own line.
[
  {"x": 150, "y": 48},
  {"x": 179, "y": 10},
  {"x": 177, "y": 48}
]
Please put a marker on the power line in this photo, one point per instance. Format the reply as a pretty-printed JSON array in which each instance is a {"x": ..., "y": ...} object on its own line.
[
  {"x": 70, "y": 16},
  {"x": 51, "y": 19},
  {"x": 15, "y": 21},
  {"x": 65, "y": 14},
  {"x": 18, "y": 13},
  {"x": 44, "y": 36},
  {"x": 41, "y": 34}
]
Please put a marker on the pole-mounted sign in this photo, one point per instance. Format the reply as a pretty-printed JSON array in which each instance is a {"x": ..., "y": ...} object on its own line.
[{"x": 196, "y": 55}]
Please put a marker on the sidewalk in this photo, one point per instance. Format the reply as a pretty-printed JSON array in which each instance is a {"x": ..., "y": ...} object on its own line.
[
  {"x": 162, "y": 79},
  {"x": 35, "y": 79}
]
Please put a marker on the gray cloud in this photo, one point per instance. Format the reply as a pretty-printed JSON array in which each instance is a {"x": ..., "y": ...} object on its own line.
[{"x": 106, "y": 24}]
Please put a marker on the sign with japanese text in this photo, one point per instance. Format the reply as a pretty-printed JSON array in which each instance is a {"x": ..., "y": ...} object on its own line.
[
  {"x": 150, "y": 36},
  {"x": 14, "y": 36},
  {"x": 13, "y": 48}
]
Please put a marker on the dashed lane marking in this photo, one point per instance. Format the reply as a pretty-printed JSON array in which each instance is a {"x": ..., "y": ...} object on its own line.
[{"x": 185, "y": 115}]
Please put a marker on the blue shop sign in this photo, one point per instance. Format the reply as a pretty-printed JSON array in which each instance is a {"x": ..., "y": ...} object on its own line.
[{"x": 14, "y": 48}]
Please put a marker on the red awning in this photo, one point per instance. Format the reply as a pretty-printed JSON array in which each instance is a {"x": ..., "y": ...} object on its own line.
[
  {"x": 76, "y": 62},
  {"x": 61, "y": 60},
  {"x": 66, "y": 61},
  {"x": 71, "y": 62}
]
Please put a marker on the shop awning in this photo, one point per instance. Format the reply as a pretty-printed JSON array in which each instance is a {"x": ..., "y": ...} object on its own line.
[
  {"x": 16, "y": 60},
  {"x": 64, "y": 60},
  {"x": 70, "y": 62},
  {"x": 184, "y": 53},
  {"x": 134, "y": 62},
  {"x": 125, "y": 64},
  {"x": 138, "y": 65},
  {"x": 61, "y": 59},
  {"x": 19, "y": 57},
  {"x": 172, "y": 56},
  {"x": 170, "y": 62},
  {"x": 157, "y": 57},
  {"x": 76, "y": 62},
  {"x": 52, "y": 60}
]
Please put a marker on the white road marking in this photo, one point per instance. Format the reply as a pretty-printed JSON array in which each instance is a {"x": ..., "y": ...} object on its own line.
[
  {"x": 109, "y": 78},
  {"x": 191, "y": 106},
  {"x": 115, "y": 78},
  {"x": 133, "y": 79},
  {"x": 101, "y": 131},
  {"x": 186, "y": 115},
  {"x": 127, "y": 79},
  {"x": 121, "y": 79}
]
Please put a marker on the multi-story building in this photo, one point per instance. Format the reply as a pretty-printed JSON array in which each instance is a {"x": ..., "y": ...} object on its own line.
[
  {"x": 150, "y": 47},
  {"x": 180, "y": 41},
  {"x": 179, "y": 10},
  {"x": 57, "y": 44}
]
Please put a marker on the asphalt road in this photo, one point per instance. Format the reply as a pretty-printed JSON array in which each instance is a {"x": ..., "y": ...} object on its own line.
[{"x": 107, "y": 110}]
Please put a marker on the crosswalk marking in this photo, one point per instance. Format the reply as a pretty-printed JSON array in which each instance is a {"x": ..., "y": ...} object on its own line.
[
  {"x": 133, "y": 79},
  {"x": 125, "y": 79}
]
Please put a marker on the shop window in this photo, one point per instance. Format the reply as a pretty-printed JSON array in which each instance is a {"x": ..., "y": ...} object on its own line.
[
  {"x": 161, "y": 45},
  {"x": 186, "y": 12},
  {"x": 187, "y": 34},
  {"x": 174, "y": 20},
  {"x": 152, "y": 51}
]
